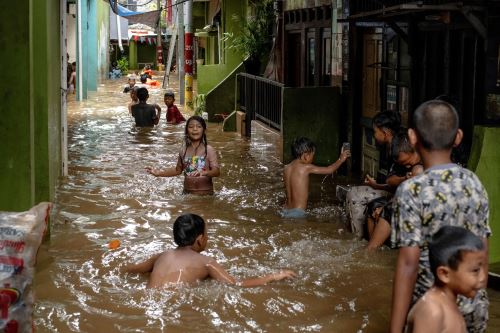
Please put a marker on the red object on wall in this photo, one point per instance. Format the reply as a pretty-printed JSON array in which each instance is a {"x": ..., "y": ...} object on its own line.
[
  {"x": 159, "y": 54},
  {"x": 169, "y": 11},
  {"x": 188, "y": 53}
]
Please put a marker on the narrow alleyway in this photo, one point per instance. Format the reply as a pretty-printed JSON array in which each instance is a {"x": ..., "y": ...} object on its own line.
[{"x": 108, "y": 195}]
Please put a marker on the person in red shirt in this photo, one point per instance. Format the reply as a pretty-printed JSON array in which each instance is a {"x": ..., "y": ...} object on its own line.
[{"x": 173, "y": 114}]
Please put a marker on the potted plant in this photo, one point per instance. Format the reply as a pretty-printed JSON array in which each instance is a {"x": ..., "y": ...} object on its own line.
[
  {"x": 199, "y": 105},
  {"x": 255, "y": 38}
]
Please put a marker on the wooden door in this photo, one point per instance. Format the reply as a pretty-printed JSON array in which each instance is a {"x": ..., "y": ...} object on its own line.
[
  {"x": 293, "y": 59},
  {"x": 372, "y": 57}
]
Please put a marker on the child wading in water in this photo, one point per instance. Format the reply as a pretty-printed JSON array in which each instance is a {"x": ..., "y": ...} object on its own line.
[
  {"x": 296, "y": 176},
  {"x": 197, "y": 160},
  {"x": 458, "y": 262},
  {"x": 185, "y": 264}
]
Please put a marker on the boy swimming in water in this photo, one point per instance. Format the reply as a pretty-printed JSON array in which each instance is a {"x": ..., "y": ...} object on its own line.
[
  {"x": 296, "y": 176},
  {"x": 185, "y": 264},
  {"x": 457, "y": 259}
]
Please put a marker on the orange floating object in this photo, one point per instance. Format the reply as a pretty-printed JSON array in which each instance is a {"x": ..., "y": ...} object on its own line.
[{"x": 114, "y": 244}]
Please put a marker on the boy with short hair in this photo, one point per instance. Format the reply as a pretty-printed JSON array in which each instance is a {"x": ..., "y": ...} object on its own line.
[
  {"x": 185, "y": 264},
  {"x": 134, "y": 99},
  {"x": 146, "y": 115},
  {"x": 444, "y": 194},
  {"x": 457, "y": 259},
  {"x": 130, "y": 84},
  {"x": 296, "y": 176},
  {"x": 173, "y": 114}
]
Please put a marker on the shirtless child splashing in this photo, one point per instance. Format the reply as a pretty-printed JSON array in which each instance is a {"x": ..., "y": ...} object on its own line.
[
  {"x": 296, "y": 176},
  {"x": 185, "y": 264}
]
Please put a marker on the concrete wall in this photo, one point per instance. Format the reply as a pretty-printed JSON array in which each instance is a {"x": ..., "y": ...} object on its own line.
[
  {"x": 221, "y": 99},
  {"x": 485, "y": 162},
  {"x": 103, "y": 31},
  {"x": 30, "y": 103},
  {"x": 71, "y": 37},
  {"x": 211, "y": 75},
  {"x": 313, "y": 112},
  {"x": 94, "y": 45}
]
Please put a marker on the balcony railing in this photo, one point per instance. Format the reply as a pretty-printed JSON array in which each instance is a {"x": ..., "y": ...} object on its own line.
[{"x": 261, "y": 99}]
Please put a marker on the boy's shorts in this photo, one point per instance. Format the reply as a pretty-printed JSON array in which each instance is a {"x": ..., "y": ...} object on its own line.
[{"x": 293, "y": 213}]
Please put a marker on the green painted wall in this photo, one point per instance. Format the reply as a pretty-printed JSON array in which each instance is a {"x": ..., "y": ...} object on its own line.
[
  {"x": 146, "y": 53},
  {"x": 221, "y": 99},
  {"x": 92, "y": 45},
  {"x": 82, "y": 84},
  {"x": 30, "y": 103},
  {"x": 313, "y": 112},
  {"x": 485, "y": 162},
  {"x": 132, "y": 54},
  {"x": 211, "y": 75}
]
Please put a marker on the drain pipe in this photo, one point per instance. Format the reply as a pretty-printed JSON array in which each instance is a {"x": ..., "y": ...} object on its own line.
[
  {"x": 79, "y": 72},
  {"x": 119, "y": 32}
]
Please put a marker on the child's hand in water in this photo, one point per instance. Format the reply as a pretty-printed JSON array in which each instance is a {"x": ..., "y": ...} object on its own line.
[
  {"x": 284, "y": 274},
  {"x": 151, "y": 171}
]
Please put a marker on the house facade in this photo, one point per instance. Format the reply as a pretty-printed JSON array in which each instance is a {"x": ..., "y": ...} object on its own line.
[{"x": 402, "y": 53}]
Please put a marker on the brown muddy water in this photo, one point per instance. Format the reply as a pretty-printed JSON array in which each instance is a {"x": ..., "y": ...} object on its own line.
[{"x": 108, "y": 195}]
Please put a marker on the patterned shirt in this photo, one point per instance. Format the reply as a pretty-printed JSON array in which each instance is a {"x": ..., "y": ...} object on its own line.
[{"x": 443, "y": 195}]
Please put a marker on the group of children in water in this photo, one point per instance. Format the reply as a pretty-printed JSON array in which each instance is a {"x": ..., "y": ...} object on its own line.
[{"x": 437, "y": 218}]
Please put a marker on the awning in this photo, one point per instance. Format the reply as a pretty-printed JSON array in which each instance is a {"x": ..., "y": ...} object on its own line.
[{"x": 148, "y": 18}]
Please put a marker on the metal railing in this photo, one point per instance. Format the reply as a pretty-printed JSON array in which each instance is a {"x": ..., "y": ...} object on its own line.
[
  {"x": 261, "y": 99},
  {"x": 359, "y": 6}
]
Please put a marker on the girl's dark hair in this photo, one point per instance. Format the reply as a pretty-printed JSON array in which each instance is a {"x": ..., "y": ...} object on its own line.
[
  {"x": 379, "y": 202},
  {"x": 187, "y": 141},
  {"x": 388, "y": 119},
  {"x": 187, "y": 228}
]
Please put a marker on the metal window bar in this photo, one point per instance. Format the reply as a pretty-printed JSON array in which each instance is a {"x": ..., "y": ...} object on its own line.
[
  {"x": 360, "y": 6},
  {"x": 261, "y": 99}
]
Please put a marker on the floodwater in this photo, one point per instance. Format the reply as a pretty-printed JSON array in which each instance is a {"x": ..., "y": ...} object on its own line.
[{"x": 79, "y": 286}]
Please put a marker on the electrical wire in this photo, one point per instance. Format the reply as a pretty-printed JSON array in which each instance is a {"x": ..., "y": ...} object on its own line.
[{"x": 173, "y": 5}]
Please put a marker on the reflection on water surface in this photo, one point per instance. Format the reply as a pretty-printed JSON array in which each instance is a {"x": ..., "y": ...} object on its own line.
[{"x": 107, "y": 195}]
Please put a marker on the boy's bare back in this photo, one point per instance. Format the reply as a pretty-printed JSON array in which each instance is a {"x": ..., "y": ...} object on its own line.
[
  {"x": 179, "y": 265},
  {"x": 296, "y": 178},
  {"x": 434, "y": 312}
]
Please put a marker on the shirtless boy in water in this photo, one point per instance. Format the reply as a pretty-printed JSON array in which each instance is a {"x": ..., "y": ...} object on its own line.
[
  {"x": 296, "y": 176},
  {"x": 458, "y": 261},
  {"x": 185, "y": 264}
]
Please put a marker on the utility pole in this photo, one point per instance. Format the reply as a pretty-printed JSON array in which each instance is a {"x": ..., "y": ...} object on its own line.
[
  {"x": 180, "y": 48},
  {"x": 159, "y": 48},
  {"x": 188, "y": 56}
]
